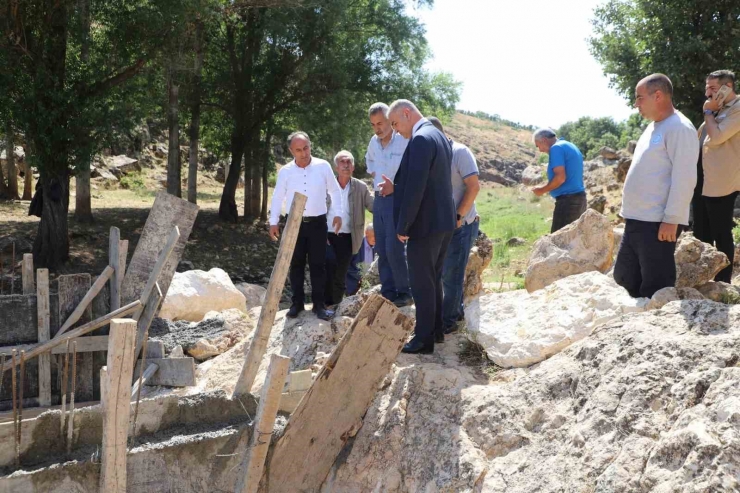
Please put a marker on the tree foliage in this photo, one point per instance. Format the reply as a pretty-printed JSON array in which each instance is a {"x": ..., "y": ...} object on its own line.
[
  {"x": 591, "y": 134},
  {"x": 684, "y": 39}
]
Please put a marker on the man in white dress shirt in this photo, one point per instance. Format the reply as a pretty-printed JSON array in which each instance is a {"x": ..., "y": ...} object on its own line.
[
  {"x": 384, "y": 153},
  {"x": 313, "y": 178}
]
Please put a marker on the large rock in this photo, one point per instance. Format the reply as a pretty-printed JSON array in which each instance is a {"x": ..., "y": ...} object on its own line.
[
  {"x": 518, "y": 329},
  {"x": 122, "y": 165},
  {"x": 480, "y": 257},
  {"x": 254, "y": 294},
  {"x": 372, "y": 276},
  {"x": 608, "y": 153},
  {"x": 194, "y": 293},
  {"x": 665, "y": 295},
  {"x": 696, "y": 262},
  {"x": 585, "y": 245},
  {"x": 532, "y": 175},
  {"x": 648, "y": 402},
  {"x": 622, "y": 168},
  {"x": 597, "y": 203},
  {"x": 720, "y": 292}
]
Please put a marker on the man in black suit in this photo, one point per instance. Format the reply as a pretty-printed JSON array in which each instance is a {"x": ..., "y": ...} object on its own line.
[{"x": 424, "y": 213}]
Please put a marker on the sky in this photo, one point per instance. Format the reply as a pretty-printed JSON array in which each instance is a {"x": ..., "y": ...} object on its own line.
[{"x": 525, "y": 60}]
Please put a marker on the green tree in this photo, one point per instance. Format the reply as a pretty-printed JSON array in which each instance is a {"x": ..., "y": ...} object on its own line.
[
  {"x": 591, "y": 134},
  {"x": 69, "y": 88},
  {"x": 684, "y": 39},
  {"x": 318, "y": 67}
]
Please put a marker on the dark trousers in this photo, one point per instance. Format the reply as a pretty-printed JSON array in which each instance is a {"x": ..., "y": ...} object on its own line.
[
  {"x": 568, "y": 208},
  {"x": 713, "y": 223},
  {"x": 426, "y": 257},
  {"x": 311, "y": 243},
  {"x": 644, "y": 263},
  {"x": 392, "y": 267},
  {"x": 336, "y": 270}
]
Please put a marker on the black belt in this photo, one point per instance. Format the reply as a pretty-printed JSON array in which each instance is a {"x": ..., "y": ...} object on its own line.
[{"x": 310, "y": 219}]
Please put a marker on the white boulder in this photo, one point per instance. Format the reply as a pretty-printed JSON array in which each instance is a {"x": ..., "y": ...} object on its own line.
[
  {"x": 194, "y": 293},
  {"x": 518, "y": 329},
  {"x": 254, "y": 294},
  {"x": 583, "y": 246}
]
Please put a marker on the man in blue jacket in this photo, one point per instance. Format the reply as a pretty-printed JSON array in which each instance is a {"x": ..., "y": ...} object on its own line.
[{"x": 424, "y": 214}]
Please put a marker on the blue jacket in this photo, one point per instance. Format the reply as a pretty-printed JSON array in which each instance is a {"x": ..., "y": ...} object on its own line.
[{"x": 422, "y": 196}]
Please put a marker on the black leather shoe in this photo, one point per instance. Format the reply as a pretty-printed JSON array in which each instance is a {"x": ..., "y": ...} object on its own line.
[
  {"x": 439, "y": 338},
  {"x": 294, "y": 311},
  {"x": 403, "y": 300},
  {"x": 417, "y": 347},
  {"x": 323, "y": 313},
  {"x": 451, "y": 329}
]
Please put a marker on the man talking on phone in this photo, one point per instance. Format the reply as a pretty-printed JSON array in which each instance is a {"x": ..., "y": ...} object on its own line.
[
  {"x": 718, "y": 168},
  {"x": 657, "y": 191}
]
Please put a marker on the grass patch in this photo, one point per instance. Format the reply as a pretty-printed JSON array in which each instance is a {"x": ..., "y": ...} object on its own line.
[
  {"x": 508, "y": 213},
  {"x": 133, "y": 182}
]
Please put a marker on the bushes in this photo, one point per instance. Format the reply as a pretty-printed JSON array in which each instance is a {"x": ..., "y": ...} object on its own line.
[{"x": 590, "y": 134}]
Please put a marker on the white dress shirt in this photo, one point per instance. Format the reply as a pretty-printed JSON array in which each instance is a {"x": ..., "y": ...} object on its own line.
[
  {"x": 343, "y": 213},
  {"x": 314, "y": 181},
  {"x": 385, "y": 160},
  {"x": 417, "y": 125}
]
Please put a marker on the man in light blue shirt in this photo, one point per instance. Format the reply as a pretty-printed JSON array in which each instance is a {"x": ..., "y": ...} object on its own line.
[
  {"x": 384, "y": 153},
  {"x": 565, "y": 178},
  {"x": 465, "y": 188}
]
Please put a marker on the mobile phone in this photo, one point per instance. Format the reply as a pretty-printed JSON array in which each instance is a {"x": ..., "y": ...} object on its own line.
[{"x": 722, "y": 94}]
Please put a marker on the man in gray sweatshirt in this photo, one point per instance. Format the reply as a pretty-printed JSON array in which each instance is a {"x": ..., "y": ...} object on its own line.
[{"x": 657, "y": 191}]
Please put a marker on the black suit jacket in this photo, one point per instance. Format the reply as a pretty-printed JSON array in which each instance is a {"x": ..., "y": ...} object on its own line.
[{"x": 422, "y": 197}]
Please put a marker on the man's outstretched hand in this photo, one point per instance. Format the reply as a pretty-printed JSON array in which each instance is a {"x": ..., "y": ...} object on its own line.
[
  {"x": 337, "y": 223},
  {"x": 386, "y": 188}
]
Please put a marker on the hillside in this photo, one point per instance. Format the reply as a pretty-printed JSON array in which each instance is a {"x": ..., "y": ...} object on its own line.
[{"x": 502, "y": 151}]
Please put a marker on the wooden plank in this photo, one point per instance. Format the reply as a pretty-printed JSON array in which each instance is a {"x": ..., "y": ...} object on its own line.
[
  {"x": 338, "y": 399},
  {"x": 151, "y": 369},
  {"x": 168, "y": 211},
  {"x": 254, "y": 461},
  {"x": 156, "y": 297},
  {"x": 27, "y": 272},
  {"x": 114, "y": 261},
  {"x": 79, "y": 331},
  {"x": 173, "y": 372},
  {"x": 300, "y": 380},
  {"x": 157, "y": 269},
  {"x": 76, "y": 293},
  {"x": 274, "y": 292},
  {"x": 70, "y": 286},
  {"x": 117, "y": 406},
  {"x": 122, "y": 256},
  {"x": 44, "y": 333},
  {"x": 18, "y": 319}
]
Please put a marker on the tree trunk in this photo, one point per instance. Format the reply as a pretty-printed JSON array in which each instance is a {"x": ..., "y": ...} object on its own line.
[
  {"x": 195, "y": 122},
  {"x": 256, "y": 195},
  {"x": 265, "y": 169},
  {"x": 51, "y": 245},
  {"x": 227, "y": 210},
  {"x": 83, "y": 200},
  {"x": 3, "y": 187},
  {"x": 248, "y": 166},
  {"x": 174, "y": 177},
  {"x": 27, "y": 180},
  {"x": 10, "y": 162}
]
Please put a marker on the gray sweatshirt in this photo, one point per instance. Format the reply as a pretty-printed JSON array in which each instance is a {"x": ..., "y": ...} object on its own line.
[{"x": 662, "y": 177}]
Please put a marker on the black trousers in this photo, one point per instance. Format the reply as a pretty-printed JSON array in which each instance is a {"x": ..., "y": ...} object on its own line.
[
  {"x": 644, "y": 263},
  {"x": 311, "y": 243},
  {"x": 426, "y": 258},
  {"x": 336, "y": 270},
  {"x": 713, "y": 223},
  {"x": 568, "y": 208}
]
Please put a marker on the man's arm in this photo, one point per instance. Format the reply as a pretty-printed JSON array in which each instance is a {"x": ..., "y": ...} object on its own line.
[
  {"x": 557, "y": 180},
  {"x": 420, "y": 151},
  {"x": 368, "y": 198},
  {"x": 683, "y": 151},
  {"x": 335, "y": 193},
  {"x": 472, "y": 187},
  {"x": 721, "y": 132},
  {"x": 370, "y": 159}
]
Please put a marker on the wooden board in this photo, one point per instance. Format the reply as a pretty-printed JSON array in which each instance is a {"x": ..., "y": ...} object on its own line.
[
  {"x": 18, "y": 319},
  {"x": 338, "y": 399},
  {"x": 167, "y": 212},
  {"x": 72, "y": 289},
  {"x": 44, "y": 331},
  {"x": 173, "y": 372}
]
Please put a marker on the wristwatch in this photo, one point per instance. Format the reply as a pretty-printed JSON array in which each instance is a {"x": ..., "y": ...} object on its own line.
[{"x": 708, "y": 112}]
